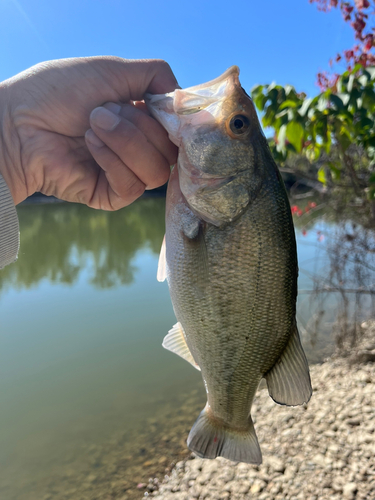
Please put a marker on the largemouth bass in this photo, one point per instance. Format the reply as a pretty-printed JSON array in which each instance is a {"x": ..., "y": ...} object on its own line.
[{"x": 229, "y": 256}]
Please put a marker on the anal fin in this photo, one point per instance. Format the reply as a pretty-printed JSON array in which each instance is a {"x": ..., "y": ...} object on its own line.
[
  {"x": 288, "y": 380},
  {"x": 175, "y": 342}
]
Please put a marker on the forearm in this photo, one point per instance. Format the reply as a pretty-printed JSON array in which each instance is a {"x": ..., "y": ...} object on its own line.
[{"x": 9, "y": 228}]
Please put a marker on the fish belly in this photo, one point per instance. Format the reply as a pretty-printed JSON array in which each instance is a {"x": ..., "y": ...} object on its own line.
[{"x": 234, "y": 293}]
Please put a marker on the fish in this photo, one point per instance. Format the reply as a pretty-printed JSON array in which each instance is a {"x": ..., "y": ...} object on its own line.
[{"x": 229, "y": 256}]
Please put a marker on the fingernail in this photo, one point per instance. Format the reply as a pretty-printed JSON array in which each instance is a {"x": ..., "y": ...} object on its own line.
[
  {"x": 92, "y": 138},
  {"x": 104, "y": 119},
  {"x": 112, "y": 106}
]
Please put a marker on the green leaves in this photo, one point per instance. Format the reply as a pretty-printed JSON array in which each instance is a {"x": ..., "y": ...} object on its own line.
[
  {"x": 340, "y": 116},
  {"x": 322, "y": 176},
  {"x": 295, "y": 134},
  {"x": 305, "y": 106},
  {"x": 337, "y": 102}
]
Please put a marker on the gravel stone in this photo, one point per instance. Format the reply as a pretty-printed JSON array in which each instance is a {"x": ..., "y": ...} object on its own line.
[
  {"x": 350, "y": 490},
  {"x": 320, "y": 451}
]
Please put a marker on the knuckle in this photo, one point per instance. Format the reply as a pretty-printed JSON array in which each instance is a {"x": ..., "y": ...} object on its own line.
[
  {"x": 130, "y": 135},
  {"x": 162, "y": 64},
  {"x": 132, "y": 192},
  {"x": 164, "y": 79},
  {"x": 129, "y": 192},
  {"x": 165, "y": 69}
]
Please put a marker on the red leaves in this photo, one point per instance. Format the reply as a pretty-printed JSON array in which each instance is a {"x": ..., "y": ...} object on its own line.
[
  {"x": 325, "y": 5},
  {"x": 362, "y": 4},
  {"x": 326, "y": 81},
  {"x": 369, "y": 42},
  {"x": 362, "y": 21},
  {"x": 359, "y": 25},
  {"x": 296, "y": 210},
  {"x": 348, "y": 54},
  {"x": 347, "y": 10}
]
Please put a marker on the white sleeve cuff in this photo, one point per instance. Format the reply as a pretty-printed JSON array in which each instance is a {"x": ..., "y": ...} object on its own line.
[{"x": 9, "y": 228}]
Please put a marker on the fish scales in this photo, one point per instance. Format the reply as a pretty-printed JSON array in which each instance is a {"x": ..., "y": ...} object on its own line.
[
  {"x": 236, "y": 313},
  {"x": 231, "y": 264}
]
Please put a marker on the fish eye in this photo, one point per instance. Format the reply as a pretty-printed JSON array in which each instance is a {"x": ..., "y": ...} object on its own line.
[{"x": 239, "y": 124}]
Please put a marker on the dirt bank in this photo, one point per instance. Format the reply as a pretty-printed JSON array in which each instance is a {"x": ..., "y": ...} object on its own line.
[{"x": 325, "y": 450}]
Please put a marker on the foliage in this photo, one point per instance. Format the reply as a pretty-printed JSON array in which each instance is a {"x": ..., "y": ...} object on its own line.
[
  {"x": 334, "y": 119},
  {"x": 360, "y": 15},
  {"x": 77, "y": 238}
]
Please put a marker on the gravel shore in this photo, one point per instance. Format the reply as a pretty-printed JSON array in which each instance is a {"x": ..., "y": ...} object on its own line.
[{"x": 323, "y": 450}]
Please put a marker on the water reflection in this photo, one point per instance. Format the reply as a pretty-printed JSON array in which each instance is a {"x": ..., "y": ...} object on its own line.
[
  {"x": 58, "y": 240},
  {"x": 82, "y": 369},
  {"x": 88, "y": 395}
]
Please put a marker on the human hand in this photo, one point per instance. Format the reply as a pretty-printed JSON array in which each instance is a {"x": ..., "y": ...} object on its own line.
[{"x": 70, "y": 128}]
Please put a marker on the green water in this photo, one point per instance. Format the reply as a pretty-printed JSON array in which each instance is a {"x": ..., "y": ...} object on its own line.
[{"x": 82, "y": 369}]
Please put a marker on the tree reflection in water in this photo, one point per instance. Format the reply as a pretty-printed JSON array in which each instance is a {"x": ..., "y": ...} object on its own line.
[{"x": 59, "y": 240}]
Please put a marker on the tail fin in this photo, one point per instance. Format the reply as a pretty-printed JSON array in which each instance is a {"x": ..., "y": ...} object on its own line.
[{"x": 208, "y": 439}]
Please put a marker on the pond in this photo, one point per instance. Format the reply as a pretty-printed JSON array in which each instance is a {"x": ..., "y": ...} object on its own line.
[{"x": 91, "y": 404}]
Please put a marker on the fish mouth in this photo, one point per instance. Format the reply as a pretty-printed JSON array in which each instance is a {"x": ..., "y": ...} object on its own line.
[
  {"x": 194, "y": 99},
  {"x": 194, "y": 105},
  {"x": 203, "y": 181}
]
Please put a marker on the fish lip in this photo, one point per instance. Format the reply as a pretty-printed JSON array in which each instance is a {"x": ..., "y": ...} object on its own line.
[
  {"x": 195, "y": 173},
  {"x": 232, "y": 71},
  {"x": 198, "y": 174},
  {"x": 161, "y": 107},
  {"x": 200, "y": 97}
]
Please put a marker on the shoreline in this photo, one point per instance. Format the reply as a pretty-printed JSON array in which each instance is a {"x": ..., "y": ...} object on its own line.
[
  {"x": 42, "y": 199},
  {"x": 322, "y": 450}
]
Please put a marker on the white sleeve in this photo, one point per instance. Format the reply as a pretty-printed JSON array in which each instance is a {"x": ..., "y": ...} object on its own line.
[{"x": 9, "y": 228}]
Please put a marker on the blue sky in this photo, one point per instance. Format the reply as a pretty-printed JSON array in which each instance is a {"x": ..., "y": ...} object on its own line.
[{"x": 285, "y": 41}]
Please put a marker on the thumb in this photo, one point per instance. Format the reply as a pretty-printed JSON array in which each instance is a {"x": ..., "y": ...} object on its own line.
[{"x": 131, "y": 79}]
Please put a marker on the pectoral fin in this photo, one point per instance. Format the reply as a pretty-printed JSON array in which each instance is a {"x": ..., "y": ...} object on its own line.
[
  {"x": 288, "y": 380},
  {"x": 195, "y": 242},
  {"x": 162, "y": 266},
  {"x": 175, "y": 341}
]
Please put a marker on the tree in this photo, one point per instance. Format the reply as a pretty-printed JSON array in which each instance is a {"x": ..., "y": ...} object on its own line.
[
  {"x": 334, "y": 119},
  {"x": 360, "y": 15}
]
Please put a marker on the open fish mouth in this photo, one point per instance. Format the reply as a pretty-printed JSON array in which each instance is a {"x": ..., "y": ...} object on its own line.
[
  {"x": 194, "y": 105},
  {"x": 197, "y": 98}
]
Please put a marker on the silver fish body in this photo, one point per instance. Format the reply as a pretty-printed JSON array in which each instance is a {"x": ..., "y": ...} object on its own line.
[{"x": 231, "y": 264}]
